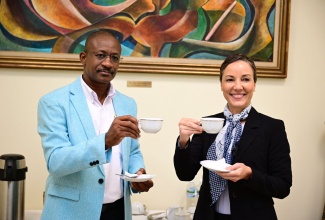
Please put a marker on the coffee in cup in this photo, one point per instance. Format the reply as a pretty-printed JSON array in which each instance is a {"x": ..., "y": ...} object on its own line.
[
  {"x": 212, "y": 125},
  {"x": 150, "y": 125}
]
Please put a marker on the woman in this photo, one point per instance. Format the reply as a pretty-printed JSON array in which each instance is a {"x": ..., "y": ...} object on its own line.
[{"x": 254, "y": 144}]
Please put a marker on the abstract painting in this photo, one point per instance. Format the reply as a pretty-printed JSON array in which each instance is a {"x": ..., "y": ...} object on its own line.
[{"x": 157, "y": 36}]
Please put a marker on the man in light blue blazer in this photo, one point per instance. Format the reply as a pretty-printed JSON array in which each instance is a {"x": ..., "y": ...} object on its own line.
[{"x": 89, "y": 133}]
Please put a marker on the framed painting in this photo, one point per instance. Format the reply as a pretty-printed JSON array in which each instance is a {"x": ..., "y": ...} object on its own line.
[{"x": 157, "y": 36}]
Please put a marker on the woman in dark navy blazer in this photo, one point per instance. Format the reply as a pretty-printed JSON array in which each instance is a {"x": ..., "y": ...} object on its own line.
[{"x": 259, "y": 156}]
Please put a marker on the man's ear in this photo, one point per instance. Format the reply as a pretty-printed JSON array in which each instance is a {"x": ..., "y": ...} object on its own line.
[{"x": 82, "y": 57}]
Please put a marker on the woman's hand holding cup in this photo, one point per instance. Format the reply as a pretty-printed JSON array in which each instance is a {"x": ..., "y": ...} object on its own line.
[{"x": 188, "y": 127}]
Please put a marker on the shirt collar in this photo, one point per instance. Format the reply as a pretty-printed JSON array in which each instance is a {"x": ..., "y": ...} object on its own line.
[{"x": 91, "y": 94}]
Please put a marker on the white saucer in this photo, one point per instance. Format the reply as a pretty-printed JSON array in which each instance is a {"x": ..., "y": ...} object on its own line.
[
  {"x": 157, "y": 215},
  {"x": 216, "y": 165},
  {"x": 140, "y": 178}
]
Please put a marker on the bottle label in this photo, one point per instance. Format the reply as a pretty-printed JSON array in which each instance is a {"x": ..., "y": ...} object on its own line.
[{"x": 191, "y": 192}]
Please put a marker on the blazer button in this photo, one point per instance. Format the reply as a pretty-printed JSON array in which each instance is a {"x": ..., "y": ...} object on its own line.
[
  {"x": 100, "y": 181},
  {"x": 91, "y": 164},
  {"x": 234, "y": 195},
  {"x": 97, "y": 162}
]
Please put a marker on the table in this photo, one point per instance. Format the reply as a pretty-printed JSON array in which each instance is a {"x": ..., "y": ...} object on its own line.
[{"x": 145, "y": 217}]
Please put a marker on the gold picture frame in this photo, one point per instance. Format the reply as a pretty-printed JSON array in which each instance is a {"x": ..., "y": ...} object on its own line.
[{"x": 277, "y": 68}]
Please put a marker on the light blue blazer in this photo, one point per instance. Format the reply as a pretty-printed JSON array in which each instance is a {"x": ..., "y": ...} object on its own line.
[{"x": 75, "y": 155}]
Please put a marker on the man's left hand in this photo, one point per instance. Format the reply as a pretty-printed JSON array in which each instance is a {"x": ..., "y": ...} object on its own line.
[{"x": 142, "y": 186}]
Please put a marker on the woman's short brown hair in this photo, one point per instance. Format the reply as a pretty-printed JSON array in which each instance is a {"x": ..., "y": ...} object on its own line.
[{"x": 236, "y": 57}]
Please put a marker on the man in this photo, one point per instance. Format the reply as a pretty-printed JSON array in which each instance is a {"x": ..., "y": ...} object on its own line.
[{"x": 89, "y": 134}]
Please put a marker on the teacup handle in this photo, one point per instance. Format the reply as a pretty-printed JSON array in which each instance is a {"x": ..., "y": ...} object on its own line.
[{"x": 139, "y": 124}]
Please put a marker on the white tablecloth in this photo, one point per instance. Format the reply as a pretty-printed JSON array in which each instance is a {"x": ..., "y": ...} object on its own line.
[{"x": 144, "y": 217}]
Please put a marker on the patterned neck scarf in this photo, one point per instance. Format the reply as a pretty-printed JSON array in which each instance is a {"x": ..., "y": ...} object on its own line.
[{"x": 218, "y": 184}]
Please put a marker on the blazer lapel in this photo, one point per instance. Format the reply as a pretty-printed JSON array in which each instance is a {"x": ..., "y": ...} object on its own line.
[
  {"x": 79, "y": 102},
  {"x": 248, "y": 135},
  {"x": 80, "y": 105},
  {"x": 119, "y": 106},
  {"x": 120, "y": 109}
]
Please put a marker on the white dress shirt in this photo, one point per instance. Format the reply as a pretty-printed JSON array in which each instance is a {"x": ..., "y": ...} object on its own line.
[{"x": 103, "y": 116}]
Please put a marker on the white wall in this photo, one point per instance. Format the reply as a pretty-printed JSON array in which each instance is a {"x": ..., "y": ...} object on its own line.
[{"x": 298, "y": 100}]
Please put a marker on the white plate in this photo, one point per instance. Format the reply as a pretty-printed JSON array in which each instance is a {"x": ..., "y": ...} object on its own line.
[
  {"x": 216, "y": 165},
  {"x": 140, "y": 178}
]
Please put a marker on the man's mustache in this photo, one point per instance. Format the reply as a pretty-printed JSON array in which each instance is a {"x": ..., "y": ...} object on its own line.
[{"x": 106, "y": 70}]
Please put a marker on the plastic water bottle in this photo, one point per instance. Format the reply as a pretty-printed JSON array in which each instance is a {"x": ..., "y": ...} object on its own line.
[{"x": 191, "y": 196}]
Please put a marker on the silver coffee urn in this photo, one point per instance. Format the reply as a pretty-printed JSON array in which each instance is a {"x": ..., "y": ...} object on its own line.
[{"x": 12, "y": 186}]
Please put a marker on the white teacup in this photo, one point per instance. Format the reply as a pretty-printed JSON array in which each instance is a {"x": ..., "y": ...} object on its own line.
[
  {"x": 170, "y": 212},
  {"x": 150, "y": 125},
  {"x": 212, "y": 125},
  {"x": 138, "y": 208}
]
